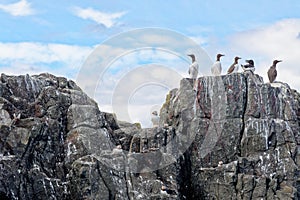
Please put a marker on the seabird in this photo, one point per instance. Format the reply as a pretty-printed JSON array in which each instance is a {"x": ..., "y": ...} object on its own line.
[
  {"x": 249, "y": 66},
  {"x": 216, "y": 69},
  {"x": 155, "y": 119},
  {"x": 193, "y": 69},
  {"x": 272, "y": 72},
  {"x": 235, "y": 66}
]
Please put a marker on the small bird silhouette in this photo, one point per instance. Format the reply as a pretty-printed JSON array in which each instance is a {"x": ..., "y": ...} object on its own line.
[
  {"x": 235, "y": 66},
  {"x": 216, "y": 68},
  {"x": 272, "y": 72}
]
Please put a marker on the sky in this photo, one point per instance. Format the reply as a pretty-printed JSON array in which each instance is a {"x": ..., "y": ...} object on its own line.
[{"x": 64, "y": 37}]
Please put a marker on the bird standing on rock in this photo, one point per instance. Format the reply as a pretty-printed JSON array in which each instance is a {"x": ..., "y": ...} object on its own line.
[
  {"x": 155, "y": 119},
  {"x": 216, "y": 69},
  {"x": 249, "y": 66},
  {"x": 193, "y": 69},
  {"x": 272, "y": 72},
  {"x": 235, "y": 66}
]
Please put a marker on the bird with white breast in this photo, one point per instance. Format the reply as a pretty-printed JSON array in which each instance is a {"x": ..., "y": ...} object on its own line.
[
  {"x": 194, "y": 67},
  {"x": 216, "y": 68},
  {"x": 235, "y": 66}
]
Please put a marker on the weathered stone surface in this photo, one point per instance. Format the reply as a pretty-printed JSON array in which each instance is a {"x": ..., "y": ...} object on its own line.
[
  {"x": 49, "y": 131},
  {"x": 233, "y": 137},
  {"x": 240, "y": 120}
]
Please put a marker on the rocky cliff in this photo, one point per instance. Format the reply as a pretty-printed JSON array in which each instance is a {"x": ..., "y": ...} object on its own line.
[{"x": 230, "y": 137}]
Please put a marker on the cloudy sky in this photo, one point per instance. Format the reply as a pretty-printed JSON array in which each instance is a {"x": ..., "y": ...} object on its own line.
[{"x": 59, "y": 37}]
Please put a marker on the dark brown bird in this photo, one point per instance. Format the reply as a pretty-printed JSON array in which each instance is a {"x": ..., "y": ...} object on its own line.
[
  {"x": 272, "y": 72},
  {"x": 235, "y": 66}
]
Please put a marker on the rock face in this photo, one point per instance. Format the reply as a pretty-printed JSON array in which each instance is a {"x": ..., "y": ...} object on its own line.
[{"x": 233, "y": 137}]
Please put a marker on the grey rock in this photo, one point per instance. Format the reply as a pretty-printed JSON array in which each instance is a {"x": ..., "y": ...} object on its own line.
[{"x": 233, "y": 137}]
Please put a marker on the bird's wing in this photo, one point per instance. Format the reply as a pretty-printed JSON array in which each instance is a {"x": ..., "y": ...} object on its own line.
[
  {"x": 231, "y": 68},
  {"x": 269, "y": 74},
  {"x": 219, "y": 65},
  {"x": 246, "y": 66},
  {"x": 272, "y": 73}
]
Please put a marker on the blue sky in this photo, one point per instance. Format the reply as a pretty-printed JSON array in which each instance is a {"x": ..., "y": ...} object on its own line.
[
  {"x": 56, "y": 22},
  {"x": 58, "y": 36}
]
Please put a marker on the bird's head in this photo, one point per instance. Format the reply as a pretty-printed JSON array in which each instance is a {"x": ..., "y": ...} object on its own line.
[
  {"x": 219, "y": 56},
  {"x": 154, "y": 113},
  {"x": 251, "y": 62},
  {"x": 192, "y": 56},
  {"x": 276, "y": 61},
  {"x": 237, "y": 58}
]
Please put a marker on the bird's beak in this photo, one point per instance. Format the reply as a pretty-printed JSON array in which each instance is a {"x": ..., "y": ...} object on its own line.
[
  {"x": 239, "y": 58},
  {"x": 222, "y": 55},
  {"x": 279, "y": 60}
]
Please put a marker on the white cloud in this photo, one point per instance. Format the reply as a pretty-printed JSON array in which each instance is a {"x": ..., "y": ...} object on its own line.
[
  {"x": 32, "y": 58},
  {"x": 21, "y": 8},
  {"x": 134, "y": 82},
  {"x": 38, "y": 52},
  {"x": 123, "y": 73},
  {"x": 276, "y": 41},
  {"x": 106, "y": 19},
  {"x": 199, "y": 40}
]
